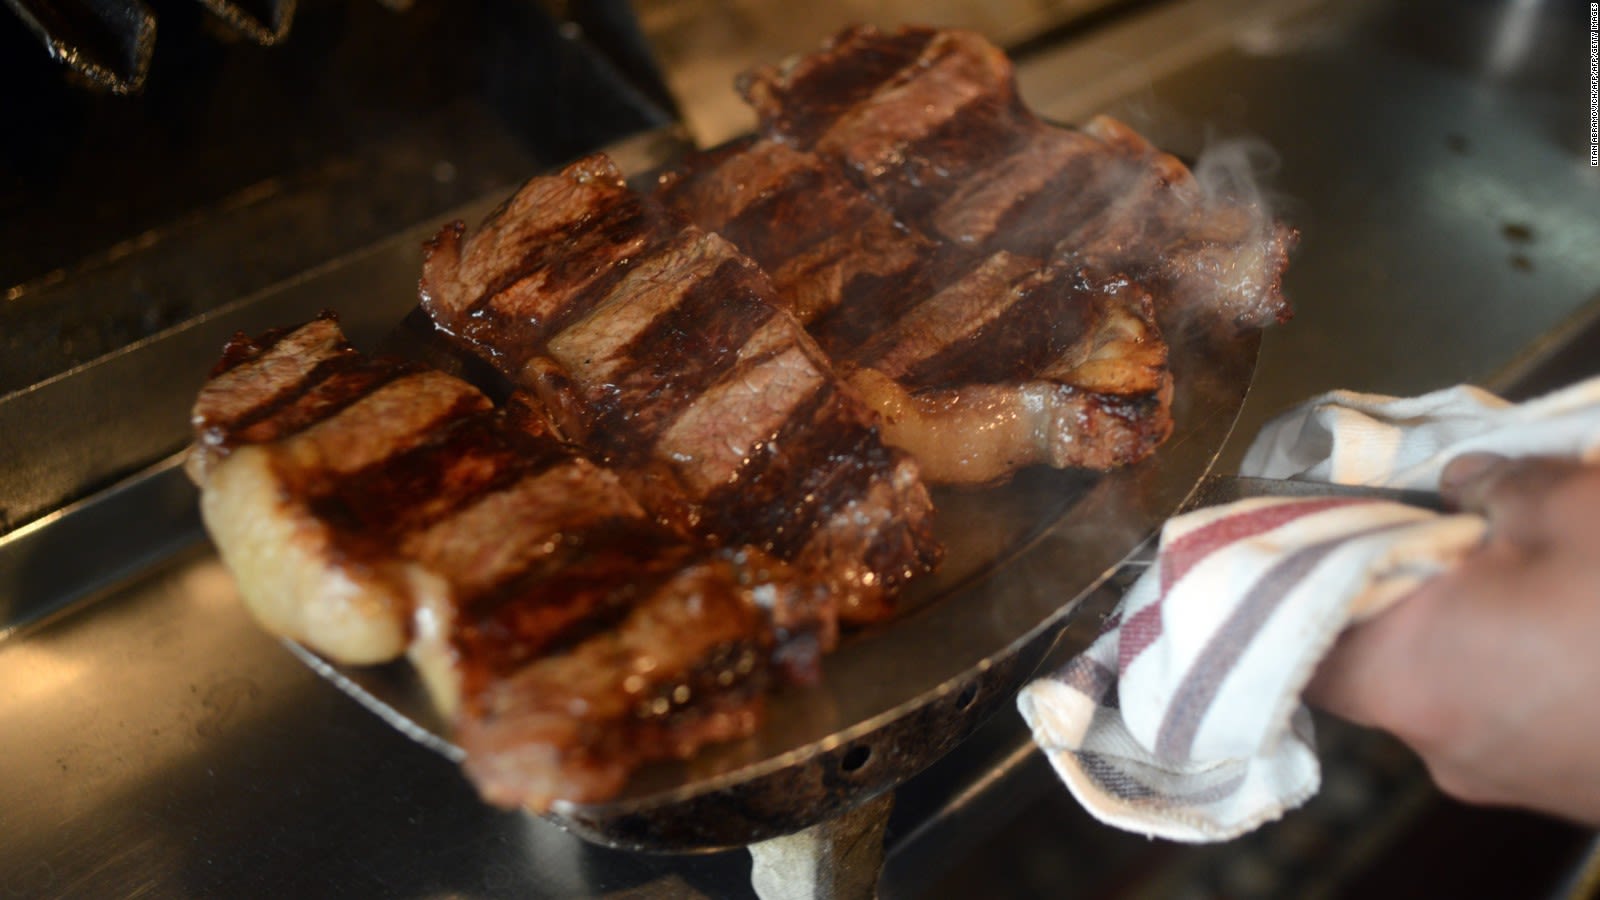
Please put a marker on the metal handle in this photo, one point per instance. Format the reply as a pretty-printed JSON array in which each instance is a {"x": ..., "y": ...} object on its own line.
[{"x": 1216, "y": 489}]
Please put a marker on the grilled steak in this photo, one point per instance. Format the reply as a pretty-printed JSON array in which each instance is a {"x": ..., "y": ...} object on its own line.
[
  {"x": 719, "y": 397},
  {"x": 834, "y": 253},
  {"x": 370, "y": 508},
  {"x": 929, "y": 123},
  {"x": 975, "y": 363},
  {"x": 282, "y": 415},
  {"x": 659, "y": 348},
  {"x": 1019, "y": 363},
  {"x": 984, "y": 349}
]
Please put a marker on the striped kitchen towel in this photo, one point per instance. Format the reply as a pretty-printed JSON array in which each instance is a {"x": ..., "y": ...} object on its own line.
[{"x": 1183, "y": 719}]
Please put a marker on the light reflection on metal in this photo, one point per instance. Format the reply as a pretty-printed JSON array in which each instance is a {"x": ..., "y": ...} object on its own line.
[
  {"x": 1513, "y": 40},
  {"x": 52, "y": 678},
  {"x": 265, "y": 22},
  {"x": 106, "y": 43}
]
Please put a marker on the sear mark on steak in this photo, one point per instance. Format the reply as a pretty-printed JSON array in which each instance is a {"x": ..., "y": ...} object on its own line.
[
  {"x": 962, "y": 259},
  {"x": 1018, "y": 364},
  {"x": 371, "y": 508},
  {"x": 946, "y": 145},
  {"x": 804, "y": 95},
  {"x": 709, "y": 435},
  {"x": 972, "y": 359},
  {"x": 670, "y": 359},
  {"x": 829, "y": 247}
]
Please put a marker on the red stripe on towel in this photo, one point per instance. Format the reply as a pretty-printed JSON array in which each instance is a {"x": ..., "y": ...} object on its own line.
[
  {"x": 1183, "y": 554},
  {"x": 1144, "y": 627}
]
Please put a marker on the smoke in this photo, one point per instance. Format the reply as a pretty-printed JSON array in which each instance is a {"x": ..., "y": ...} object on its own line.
[
  {"x": 1235, "y": 260},
  {"x": 1235, "y": 171},
  {"x": 1203, "y": 238}
]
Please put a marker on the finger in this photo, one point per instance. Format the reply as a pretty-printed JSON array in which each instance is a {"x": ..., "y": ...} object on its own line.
[
  {"x": 1513, "y": 494},
  {"x": 1402, "y": 670},
  {"x": 1341, "y": 684},
  {"x": 1465, "y": 470},
  {"x": 1357, "y": 677},
  {"x": 1381, "y": 671}
]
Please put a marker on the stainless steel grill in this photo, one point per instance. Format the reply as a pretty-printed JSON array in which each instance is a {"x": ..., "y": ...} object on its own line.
[{"x": 156, "y": 743}]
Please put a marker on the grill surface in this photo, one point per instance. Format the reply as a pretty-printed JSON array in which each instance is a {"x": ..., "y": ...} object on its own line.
[{"x": 157, "y": 743}]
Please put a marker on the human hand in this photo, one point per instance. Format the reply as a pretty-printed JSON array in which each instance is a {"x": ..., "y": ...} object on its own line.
[{"x": 1491, "y": 672}]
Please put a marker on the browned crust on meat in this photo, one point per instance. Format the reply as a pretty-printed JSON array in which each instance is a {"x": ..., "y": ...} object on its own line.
[
  {"x": 371, "y": 508},
  {"x": 929, "y": 123},
  {"x": 1020, "y": 364},
  {"x": 660, "y": 348}
]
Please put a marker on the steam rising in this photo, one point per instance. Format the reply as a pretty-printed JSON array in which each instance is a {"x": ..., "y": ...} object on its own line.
[
  {"x": 1236, "y": 207},
  {"x": 1231, "y": 170},
  {"x": 1205, "y": 241}
]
